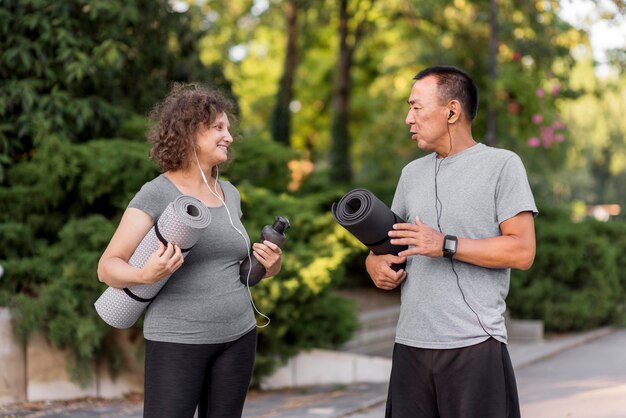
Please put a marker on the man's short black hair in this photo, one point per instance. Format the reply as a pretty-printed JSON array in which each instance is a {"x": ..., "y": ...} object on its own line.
[{"x": 454, "y": 84}]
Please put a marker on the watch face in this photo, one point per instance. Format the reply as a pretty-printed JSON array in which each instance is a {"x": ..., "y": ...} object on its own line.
[{"x": 450, "y": 245}]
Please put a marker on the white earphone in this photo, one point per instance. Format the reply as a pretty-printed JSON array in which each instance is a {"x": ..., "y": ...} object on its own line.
[{"x": 214, "y": 192}]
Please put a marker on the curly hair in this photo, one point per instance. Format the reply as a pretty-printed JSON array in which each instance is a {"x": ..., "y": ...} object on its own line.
[{"x": 177, "y": 119}]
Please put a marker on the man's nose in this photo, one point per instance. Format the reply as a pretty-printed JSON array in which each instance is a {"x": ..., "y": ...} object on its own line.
[{"x": 409, "y": 120}]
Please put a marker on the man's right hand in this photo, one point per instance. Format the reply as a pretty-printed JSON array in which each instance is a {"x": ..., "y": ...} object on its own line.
[{"x": 379, "y": 269}]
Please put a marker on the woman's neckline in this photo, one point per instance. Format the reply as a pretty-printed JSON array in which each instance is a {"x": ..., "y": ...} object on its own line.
[{"x": 181, "y": 193}]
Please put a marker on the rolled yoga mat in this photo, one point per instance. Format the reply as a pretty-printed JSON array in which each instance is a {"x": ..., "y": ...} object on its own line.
[
  {"x": 182, "y": 222},
  {"x": 369, "y": 220}
]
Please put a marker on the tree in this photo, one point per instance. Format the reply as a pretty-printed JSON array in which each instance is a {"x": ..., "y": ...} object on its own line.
[
  {"x": 281, "y": 116},
  {"x": 596, "y": 165},
  {"x": 67, "y": 185},
  {"x": 353, "y": 24},
  {"x": 76, "y": 68},
  {"x": 492, "y": 63},
  {"x": 72, "y": 73}
]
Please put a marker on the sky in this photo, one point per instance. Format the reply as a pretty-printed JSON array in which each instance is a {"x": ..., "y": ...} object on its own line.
[{"x": 585, "y": 14}]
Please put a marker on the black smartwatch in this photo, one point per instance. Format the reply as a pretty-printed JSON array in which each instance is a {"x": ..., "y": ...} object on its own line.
[{"x": 449, "y": 246}]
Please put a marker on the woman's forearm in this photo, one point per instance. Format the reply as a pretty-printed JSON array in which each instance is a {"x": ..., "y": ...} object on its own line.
[{"x": 117, "y": 273}]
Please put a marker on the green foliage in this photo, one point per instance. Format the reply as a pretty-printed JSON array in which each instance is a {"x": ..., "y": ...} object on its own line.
[
  {"x": 50, "y": 249},
  {"x": 135, "y": 127},
  {"x": 64, "y": 303},
  {"x": 578, "y": 279},
  {"x": 76, "y": 68},
  {"x": 304, "y": 312},
  {"x": 71, "y": 71},
  {"x": 596, "y": 166},
  {"x": 261, "y": 162},
  {"x": 75, "y": 76},
  {"x": 54, "y": 271},
  {"x": 124, "y": 165}
]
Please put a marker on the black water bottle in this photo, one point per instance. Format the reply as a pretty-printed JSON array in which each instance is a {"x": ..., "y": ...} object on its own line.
[{"x": 274, "y": 233}]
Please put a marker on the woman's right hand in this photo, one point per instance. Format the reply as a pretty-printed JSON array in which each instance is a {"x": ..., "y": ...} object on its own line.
[
  {"x": 162, "y": 263},
  {"x": 113, "y": 267}
]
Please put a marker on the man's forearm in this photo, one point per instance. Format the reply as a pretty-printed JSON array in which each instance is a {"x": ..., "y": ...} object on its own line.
[{"x": 497, "y": 252}]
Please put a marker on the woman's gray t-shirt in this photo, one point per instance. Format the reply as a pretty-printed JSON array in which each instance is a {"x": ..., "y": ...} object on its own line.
[{"x": 203, "y": 302}]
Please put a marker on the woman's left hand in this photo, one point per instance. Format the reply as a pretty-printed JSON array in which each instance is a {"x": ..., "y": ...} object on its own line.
[{"x": 269, "y": 255}]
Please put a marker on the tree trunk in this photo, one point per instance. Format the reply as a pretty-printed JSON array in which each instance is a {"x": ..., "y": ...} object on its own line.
[
  {"x": 341, "y": 170},
  {"x": 281, "y": 116},
  {"x": 491, "y": 65}
]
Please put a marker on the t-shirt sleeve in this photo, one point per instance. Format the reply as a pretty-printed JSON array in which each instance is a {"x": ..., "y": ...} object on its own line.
[
  {"x": 398, "y": 206},
  {"x": 231, "y": 192},
  {"x": 513, "y": 193},
  {"x": 149, "y": 200}
]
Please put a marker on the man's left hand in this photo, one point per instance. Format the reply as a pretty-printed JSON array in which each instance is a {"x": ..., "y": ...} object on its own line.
[{"x": 422, "y": 239}]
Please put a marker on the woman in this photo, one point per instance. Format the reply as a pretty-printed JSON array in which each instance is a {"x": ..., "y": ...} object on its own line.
[{"x": 200, "y": 331}]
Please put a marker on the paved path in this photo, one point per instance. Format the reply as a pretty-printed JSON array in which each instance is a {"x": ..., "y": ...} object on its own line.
[
  {"x": 588, "y": 381},
  {"x": 576, "y": 376},
  {"x": 327, "y": 402},
  {"x": 583, "y": 379}
]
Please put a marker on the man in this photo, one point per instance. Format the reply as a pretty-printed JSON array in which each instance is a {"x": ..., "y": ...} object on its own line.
[{"x": 474, "y": 221}]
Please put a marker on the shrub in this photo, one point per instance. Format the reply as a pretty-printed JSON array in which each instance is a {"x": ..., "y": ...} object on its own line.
[
  {"x": 578, "y": 279},
  {"x": 304, "y": 312},
  {"x": 65, "y": 208}
]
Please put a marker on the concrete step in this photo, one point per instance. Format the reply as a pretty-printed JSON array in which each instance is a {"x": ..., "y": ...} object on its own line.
[
  {"x": 370, "y": 336},
  {"x": 524, "y": 330},
  {"x": 383, "y": 348},
  {"x": 377, "y": 328},
  {"x": 377, "y": 316},
  {"x": 376, "y": 333}
]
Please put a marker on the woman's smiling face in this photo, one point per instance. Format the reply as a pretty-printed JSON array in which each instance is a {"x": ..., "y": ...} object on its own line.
[{"x": 213, "y": 141}]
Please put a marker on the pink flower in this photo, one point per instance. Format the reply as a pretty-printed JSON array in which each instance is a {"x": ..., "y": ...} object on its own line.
[
  {"x": 557, "y": 124},
  {"x": 537, "y": 119},
  {"x": 534, "y": 142},
  {"x": 547, "y": 132},
  {"x": 559, "y": 137},
  {"x": 540, "y": 92},
  {"x": 556, "y": 89}
]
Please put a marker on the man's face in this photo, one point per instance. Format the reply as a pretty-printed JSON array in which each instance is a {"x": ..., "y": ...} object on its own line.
[{"x": 427, "y": 118}]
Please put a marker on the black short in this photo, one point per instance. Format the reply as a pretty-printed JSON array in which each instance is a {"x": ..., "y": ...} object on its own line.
[{"x": 469, "y": 382}]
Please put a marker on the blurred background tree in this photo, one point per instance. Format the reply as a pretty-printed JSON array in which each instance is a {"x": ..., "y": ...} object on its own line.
[
  {"x": 321, "y": 92},
  {"x": 73, "y": 73}
]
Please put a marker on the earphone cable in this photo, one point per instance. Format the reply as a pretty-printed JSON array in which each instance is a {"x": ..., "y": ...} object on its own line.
[
  {"x": 439, "y": 211},
  {"x": 214, "y": 192}
]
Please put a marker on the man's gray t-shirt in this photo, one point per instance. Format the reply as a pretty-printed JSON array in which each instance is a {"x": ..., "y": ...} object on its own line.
[
  {"x": 203, "y": 302},
  {"x": 478, "y": 189}
]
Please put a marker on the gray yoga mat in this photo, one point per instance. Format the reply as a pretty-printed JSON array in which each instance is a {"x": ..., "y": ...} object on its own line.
[
  {"x": 369, "y": 220},
  {"x": 182, "y": 222}
]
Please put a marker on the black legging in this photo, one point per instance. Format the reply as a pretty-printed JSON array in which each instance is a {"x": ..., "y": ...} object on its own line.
[{"x": 213, "y": 377}]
